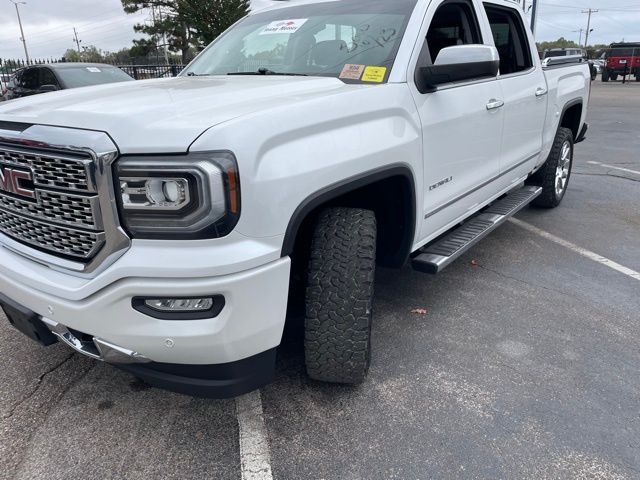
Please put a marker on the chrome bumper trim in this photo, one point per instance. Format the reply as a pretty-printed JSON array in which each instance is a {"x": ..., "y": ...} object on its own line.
[{"x": 97, "y": 348}]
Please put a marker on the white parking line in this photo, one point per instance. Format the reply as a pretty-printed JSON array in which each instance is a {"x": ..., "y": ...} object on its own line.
[
  {"x": 582, "y": 251},
  {"x": 615, "y": 168},
  {"x": 255, "y": 459}
]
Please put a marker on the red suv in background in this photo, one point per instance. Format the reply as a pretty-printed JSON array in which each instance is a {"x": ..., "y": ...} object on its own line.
[{"x": 622, "y": 59}]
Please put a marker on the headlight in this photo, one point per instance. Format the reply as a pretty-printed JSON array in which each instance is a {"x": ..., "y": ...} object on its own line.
[{"x": 193, "y": 196}]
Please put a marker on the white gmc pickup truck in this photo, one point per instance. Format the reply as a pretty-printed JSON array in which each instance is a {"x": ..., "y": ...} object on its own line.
[{"x": 166, "y": 226}]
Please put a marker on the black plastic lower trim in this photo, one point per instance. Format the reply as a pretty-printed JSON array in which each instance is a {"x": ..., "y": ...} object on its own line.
[
  {"x": 223, "y": 380},
  {"x": 583, "y": 134},
  {"x": 27, "y": 322}
]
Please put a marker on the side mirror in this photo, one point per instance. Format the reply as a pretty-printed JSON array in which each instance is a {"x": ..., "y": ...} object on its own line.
[
  {"x": 458, "y": 63},
  {"x": 48, "y": 88}
]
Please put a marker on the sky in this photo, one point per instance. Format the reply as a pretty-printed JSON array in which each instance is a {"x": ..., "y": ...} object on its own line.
[{"x": 49, "y": 24}]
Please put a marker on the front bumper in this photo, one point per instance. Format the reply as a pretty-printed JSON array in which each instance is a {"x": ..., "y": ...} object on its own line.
[
  {"x": 212, "y": 381},
  {"x": 250, "y": 323},
  {"x": 220, "y": 357}
]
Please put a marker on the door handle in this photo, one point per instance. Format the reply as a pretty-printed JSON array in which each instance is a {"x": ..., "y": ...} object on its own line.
[
  {"x": 540, "y": 92},
  {"x": 493, "y": 104}
]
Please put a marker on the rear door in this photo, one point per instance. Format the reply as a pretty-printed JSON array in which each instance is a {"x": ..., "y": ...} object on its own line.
[
  {"x": 461, "y": 123},
  {"x": 524, "y": 89}
]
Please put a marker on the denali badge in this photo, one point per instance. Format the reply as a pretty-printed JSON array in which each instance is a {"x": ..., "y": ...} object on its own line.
[
  {"x": 13, "y": 181},
  {"x": 440, "y": 183}
]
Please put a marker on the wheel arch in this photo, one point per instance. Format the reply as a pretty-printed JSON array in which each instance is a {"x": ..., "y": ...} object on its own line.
[
  {"x": 571, "y": 117},
  {"x": 396, "y": 182}
]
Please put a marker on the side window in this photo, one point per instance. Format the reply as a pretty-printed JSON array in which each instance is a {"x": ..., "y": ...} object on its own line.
[
  {"x": 510, "y": 37},
  {"x": 455, "y": 23},
  {"x": 47, "y": 77},
  {"x": 29, "y": 79}
]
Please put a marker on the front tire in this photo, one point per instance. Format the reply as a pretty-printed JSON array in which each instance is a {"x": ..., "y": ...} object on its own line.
[
  {"x": 554, "y": 175},
  {"x": 605, "y": 75},
  {"x": 339, "y": 296}
]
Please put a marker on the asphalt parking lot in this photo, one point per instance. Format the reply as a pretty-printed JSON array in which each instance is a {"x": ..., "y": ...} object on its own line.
[{"x": 525, "y": 365}]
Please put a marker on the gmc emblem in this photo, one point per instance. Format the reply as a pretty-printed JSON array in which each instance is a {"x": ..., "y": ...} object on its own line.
[{"x": 12, "y": 181}]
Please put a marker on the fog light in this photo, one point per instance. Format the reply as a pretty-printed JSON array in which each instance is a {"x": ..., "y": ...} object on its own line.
[
  {"x": 186, "y": 308},
  {"x": 180, "y": 304}
]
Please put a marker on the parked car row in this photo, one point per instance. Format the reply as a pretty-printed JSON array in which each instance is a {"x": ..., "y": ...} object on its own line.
[{"x": 36, "y": 79}]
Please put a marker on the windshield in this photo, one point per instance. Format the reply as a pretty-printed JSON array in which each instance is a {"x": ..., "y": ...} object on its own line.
[
  {"x": 354, "y": 40},
  {"x": 74, "y": 77}
]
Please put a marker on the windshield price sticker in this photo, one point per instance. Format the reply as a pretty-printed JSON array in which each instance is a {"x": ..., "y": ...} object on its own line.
[
  {"x": 374, "y": 74},
  {"x": 93, "y": 69},
  {"x": 284, "y": 26},
  {"x": 352, "y": 72}
]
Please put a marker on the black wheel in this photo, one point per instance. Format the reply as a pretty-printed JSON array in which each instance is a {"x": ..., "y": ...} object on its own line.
[
  {"x": 339, "y": 296},
  {"x": 554, "y": 175},
  {"x": 614, "y": 76},
  {"x": 605, "y": 75}
]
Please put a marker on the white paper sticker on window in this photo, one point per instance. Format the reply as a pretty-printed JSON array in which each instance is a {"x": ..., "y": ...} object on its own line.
[
  {"x": 93, "y": 69},
  {"x": 284, "y": 26}
]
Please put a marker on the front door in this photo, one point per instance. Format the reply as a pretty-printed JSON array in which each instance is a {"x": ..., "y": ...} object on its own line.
[{"x": 461, "y": 123}]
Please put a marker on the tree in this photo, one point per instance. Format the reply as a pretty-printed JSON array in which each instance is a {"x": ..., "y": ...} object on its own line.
[
  {"x": 89, "y": 54},
  {"x": 560, "y": 43},
  {"x": 143, "y": 47},
  {"x": 72, "y": 56},
  {"x": 187, "y": 23},
  {"x": 207, "y": 19}
]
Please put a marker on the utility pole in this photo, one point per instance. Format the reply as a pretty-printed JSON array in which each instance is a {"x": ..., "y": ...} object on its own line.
[
  {"x": 586, "y": 37},
  {"x": 534, "y": 16},
  {"x": 164, "y": 39},
  {"x": 75, "y": 34},
  {"x": 576, "y": 31},
  {"x": 24, "y": 41},
  {"x": 155, "y": 37}
]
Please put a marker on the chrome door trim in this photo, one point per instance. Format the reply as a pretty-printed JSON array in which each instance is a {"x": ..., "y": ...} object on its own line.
[{"x": 478, "y": 187}]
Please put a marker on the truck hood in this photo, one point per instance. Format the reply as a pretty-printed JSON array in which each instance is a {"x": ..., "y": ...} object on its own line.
[{"x": 165, "y": 115}]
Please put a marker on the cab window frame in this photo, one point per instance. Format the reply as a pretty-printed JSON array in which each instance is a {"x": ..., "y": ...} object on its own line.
[
  {"x": 522, "y": 34},
  {"x": 424, "y": 58}
]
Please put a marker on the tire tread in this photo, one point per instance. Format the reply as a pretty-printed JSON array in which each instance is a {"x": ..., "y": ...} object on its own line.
[{"x": 339, "y": 295}]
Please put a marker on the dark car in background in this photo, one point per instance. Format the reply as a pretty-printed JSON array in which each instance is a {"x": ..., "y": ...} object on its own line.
[{"x": 36, "y": 79}]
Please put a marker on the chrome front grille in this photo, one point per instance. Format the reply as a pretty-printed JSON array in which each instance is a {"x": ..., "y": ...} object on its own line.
[
  {"x": 61, "y": 171},
  {"x": 64, "y": 217},
  {"x": 53, "y": 238},
  {"x": 57, "y": 198},
  {"x": 65, "y": 208}
]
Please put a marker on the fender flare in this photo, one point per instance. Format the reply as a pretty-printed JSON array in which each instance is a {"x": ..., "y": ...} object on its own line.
[
  {"x": 343, "y": 187},
  {"x": 567, "y": 106}
]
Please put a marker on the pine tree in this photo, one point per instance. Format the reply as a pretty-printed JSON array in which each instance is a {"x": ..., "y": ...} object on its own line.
[{"x": 187, "y": 23}]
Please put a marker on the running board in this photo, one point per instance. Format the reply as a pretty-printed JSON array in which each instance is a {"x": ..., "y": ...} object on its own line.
[{"x": 433, "y": 258}]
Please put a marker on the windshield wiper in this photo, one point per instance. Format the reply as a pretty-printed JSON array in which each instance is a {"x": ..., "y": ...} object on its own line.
[
  {"x": 191, "y": 74},
  {"x": 266, "y": 71}
]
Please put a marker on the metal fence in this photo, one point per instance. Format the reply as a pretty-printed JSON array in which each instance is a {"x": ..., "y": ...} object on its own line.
[{"x": 138, "y": 70}]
